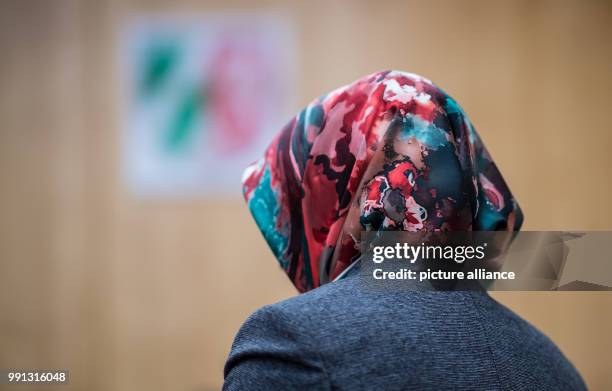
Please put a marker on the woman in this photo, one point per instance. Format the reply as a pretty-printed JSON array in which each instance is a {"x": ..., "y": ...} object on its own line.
[{"x": 388, "y": 152}]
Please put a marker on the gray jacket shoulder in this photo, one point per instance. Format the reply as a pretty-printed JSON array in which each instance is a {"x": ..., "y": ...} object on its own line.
[
  {"x": 274, "y": 349},
  {"x": 342, "y": 337}
]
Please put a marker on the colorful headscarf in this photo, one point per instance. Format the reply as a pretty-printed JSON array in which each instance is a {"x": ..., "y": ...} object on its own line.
[{"x": 391, "y": 151}]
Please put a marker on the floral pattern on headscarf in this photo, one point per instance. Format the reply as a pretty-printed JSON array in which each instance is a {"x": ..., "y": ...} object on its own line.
[{"x": 391, "y": 151}]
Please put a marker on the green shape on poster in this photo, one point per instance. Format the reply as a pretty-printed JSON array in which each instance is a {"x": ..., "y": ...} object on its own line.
[
  {"x": 182, "y": 126},
  {"x": 160, "y": 60}
]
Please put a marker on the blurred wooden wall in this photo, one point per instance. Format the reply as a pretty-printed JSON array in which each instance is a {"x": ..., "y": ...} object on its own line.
[{"x": 147, "y": 295}]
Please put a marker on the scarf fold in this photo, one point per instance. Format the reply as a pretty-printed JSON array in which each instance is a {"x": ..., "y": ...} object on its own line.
[{"x": 390, "y": 151}]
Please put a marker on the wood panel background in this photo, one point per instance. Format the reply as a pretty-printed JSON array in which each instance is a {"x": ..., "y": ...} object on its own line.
[{"x": 147, "y": 295}]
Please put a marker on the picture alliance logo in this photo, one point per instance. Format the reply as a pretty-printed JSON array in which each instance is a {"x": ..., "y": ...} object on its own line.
[{"x": 413, "y": 253}]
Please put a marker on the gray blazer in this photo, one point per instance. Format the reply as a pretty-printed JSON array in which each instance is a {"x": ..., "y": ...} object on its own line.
[{"x": 342, "y": 337}]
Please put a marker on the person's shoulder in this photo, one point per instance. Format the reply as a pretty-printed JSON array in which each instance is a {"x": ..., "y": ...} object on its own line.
[
  {"x": 275, "y": 341},
  {"x": 316, "y": 304},
  {"x": 293, "y": 316},
  {"x": 274, "y": 350}
]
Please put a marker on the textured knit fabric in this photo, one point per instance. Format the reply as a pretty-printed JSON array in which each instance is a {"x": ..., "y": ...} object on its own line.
[
  {"x": 391, "y": 151},
  {"x": 343, "y": 337}
]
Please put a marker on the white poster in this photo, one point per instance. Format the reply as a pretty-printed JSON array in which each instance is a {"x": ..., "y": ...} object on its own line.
[{"x": 202, "y": 99}]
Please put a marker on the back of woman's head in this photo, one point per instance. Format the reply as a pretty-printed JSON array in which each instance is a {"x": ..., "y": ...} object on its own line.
[{"x": 391, "y": 151}]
